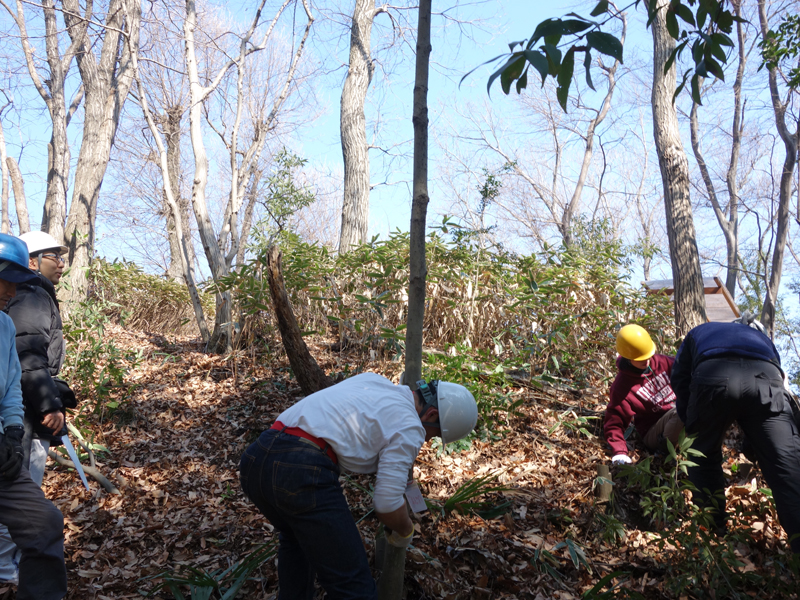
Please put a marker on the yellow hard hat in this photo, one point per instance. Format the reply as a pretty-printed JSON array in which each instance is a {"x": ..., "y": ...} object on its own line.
[{"x": 634, "y": 343}]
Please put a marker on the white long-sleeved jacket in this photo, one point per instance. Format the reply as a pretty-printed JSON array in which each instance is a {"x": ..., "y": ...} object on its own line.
[{"x": 373, "y": 427}]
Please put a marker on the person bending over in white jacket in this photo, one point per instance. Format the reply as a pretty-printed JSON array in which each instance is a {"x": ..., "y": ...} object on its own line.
[{"x": 364, "y": 424}]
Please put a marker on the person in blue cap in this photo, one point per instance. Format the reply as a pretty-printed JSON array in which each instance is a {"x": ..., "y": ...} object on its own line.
[{"x": 35, "y": 524}]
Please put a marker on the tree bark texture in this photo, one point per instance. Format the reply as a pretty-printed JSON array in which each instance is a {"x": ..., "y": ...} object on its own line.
[
  {"x": 220, "y": 340},
  {"x": 790, "y": 142},
  {"x": 308, "y": 373},
  {"x": 172, "y": 133},
  {"x": 418, "y": 270},
  {"x": 690, "y": 309},
  {"x": 5, "y": 226},
  {"x": 107, "y": 77},
  {"x": 18, "y": 185},
  {"x": 247, "y": 221},
  {"x": 355, "y": 206}
]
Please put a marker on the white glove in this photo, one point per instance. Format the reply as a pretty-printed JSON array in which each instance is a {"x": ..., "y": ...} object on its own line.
[
  {"x": 397, "y": 540},
  {"x": 621, "y": 459}
]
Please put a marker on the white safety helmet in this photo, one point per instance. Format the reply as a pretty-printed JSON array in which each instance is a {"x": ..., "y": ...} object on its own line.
[
  {"x": 458, "y": 411},
  {"x": 39, "y": 241}
]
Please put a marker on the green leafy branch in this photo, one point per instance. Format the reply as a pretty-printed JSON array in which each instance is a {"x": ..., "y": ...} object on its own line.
[
  {"x": 783, "y": 45},
  {"x": 700, "y": 25}
]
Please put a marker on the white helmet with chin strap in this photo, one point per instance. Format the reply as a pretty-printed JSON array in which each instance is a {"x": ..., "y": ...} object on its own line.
[
  {"x": 39, "y": 241},
  {"x": 458, "y": 411}
]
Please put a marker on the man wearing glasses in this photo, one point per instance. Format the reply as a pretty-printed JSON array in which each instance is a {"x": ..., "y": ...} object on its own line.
[{"x": 41, "y": 349}]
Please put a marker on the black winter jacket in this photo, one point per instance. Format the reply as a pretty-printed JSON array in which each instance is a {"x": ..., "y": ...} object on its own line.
[{"x": 41, "y": 349}]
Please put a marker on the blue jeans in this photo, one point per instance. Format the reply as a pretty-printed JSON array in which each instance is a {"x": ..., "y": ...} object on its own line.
[{"x": 296, "y": 486}]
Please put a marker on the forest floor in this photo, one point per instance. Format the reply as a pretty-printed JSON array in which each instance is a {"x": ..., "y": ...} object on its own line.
[{"x": 174, "y": 445}]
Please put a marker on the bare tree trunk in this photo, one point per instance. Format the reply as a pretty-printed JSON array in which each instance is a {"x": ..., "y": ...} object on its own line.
[
  {"x": 394, "y": 563},
  {"x": 308, "y": 373},
  {"x": 247, "y": 221},
  {"x": 730, "y": 227},
  {"x": 184, "y": 240},
  {"x": 790, "y": 143},
  {"x": 569, "y": 210},
  {"x": 690, "y": 309},
  {"x": 172, "y": 133},
  {"x": 5, "y": 226},
  {"x": 19, "y": 195},
  {"x": 355, "y": 207},
  {"x": 219, "y": 263},
  {"x": 418, "y": 270},
  {"x": 728, "y": 223},
  {"x": 52, "y": 93},
  {"x": 106, "y": 82}
]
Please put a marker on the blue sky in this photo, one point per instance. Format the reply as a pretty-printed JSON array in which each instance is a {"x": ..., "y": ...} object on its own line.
[{"x": 501, "y": 21}]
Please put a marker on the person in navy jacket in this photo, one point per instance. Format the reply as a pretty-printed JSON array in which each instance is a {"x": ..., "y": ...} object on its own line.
[{"x": 726, "y": 372}]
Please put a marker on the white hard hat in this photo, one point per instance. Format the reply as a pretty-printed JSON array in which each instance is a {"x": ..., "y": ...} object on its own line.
[
  {"x": 458, "y": 411},
  {"x": 39, "y": 241}
]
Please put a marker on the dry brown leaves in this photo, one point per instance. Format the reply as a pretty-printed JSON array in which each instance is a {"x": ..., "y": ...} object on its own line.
[{"x": 175, "y": 445}]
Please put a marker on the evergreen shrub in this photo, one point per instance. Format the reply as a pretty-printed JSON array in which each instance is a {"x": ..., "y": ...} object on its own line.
[
  {"x": 553, "y": 314},
  {"x": 145, "y": 302}
]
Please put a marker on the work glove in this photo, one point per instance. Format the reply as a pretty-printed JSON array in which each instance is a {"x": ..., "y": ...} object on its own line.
[
  {"x": 621, "y": 459},
  {"x": 397, "y": 540},
  {"x": 11, "y": 452}
]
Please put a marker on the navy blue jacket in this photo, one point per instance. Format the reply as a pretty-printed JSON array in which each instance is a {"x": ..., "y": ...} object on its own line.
[{"x": 716, "y": 340}]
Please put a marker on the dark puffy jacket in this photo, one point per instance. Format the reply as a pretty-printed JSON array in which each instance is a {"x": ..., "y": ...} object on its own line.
[
  {"x": 40, "y": 345},
  {"x": 716, "y": 340}
]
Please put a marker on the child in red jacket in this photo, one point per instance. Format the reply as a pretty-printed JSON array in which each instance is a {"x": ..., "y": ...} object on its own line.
[{"x": 640, "y": 392}]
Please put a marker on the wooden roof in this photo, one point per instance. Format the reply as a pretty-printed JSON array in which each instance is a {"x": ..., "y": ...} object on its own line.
[{"x": 720, "y": 305}]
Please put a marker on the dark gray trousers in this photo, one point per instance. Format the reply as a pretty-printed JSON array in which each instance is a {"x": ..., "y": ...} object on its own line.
[
  {"x": 37, "y": 528},
  {"x": 751, "y": 393}
]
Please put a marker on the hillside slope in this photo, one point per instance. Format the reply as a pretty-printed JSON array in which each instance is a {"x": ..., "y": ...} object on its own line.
[{"x": 186, "y": 417}]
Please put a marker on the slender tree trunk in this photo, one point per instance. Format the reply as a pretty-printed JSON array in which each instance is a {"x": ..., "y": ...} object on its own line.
[
  {"x": 219, "y": 263},
  {"x": 569, "y": 210},
  {"x": 418, "y": 271},
  {"x": 727, "y": 222},
  {"x": 106, "y": 82},
  {"x": 19, "y": 195},
  {"x": 5, "y": 224},
  {"x": 220, "y": 340},
  {"x": 54, "y": 212},
  {"x": 790, "y": 143},
  {"x": 247, "y": 221},
  {"x": 394, "y": 563},
  {"x": 687, "y": 276},
  {"x": 729, "y": 226},
  {"x": 355, "y": 207}
]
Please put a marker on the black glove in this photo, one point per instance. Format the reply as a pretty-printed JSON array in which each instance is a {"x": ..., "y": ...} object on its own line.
[{"x": 11, "y": 452}]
